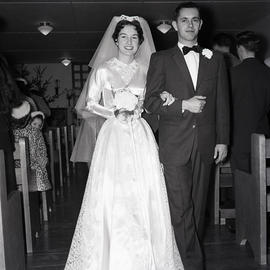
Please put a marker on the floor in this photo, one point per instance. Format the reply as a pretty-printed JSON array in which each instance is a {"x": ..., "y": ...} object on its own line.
[{"x": 51, "y": 248}]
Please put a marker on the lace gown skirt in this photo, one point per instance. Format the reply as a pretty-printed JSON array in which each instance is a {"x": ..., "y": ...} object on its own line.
[{"x": 124, "y": 222}]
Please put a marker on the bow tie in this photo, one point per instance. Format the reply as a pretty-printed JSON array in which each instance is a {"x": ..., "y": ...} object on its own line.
[{"x": 186, "y": 49}]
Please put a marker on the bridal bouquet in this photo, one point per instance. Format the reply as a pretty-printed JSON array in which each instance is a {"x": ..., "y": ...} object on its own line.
[
  {"x": 124, "y": 99},
  {"x": 126, "y": 104}
]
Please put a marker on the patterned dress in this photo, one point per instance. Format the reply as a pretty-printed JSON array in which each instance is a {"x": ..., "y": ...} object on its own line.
[{"x": 38, "y": 157}]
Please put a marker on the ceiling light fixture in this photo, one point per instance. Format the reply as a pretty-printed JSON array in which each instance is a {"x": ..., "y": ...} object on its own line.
[
  {"x": 164, "y": 27},
  {"x": 267, "y": 61},
  {"x": 66, "y": 62},
  {"x": 45, "y": 28}
]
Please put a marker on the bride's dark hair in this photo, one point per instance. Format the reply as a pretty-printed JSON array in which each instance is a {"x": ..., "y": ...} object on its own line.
[{"x": 121, "y": 24}]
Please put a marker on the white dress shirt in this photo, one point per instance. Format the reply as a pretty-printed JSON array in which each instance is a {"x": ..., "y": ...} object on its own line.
[{"x": 192, "y": 60}]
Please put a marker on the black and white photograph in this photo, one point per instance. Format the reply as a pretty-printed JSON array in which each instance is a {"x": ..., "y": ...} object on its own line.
[{"x": 135, "y": 135}]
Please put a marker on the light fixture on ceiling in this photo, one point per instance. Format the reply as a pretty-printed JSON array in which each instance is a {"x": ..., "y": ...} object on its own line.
[
  {"x": 267, "y": 61},
  {"x": 66, "y": 62},
  {"x": 45, "y": 28},
  {"x": 164, "y": 27}
]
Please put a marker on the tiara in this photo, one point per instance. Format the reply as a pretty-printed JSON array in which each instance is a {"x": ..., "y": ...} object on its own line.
[{"x": 128, "y": 18}]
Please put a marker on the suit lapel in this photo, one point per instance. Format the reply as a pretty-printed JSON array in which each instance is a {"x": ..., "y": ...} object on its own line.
[{"x": 181, "y": 63}]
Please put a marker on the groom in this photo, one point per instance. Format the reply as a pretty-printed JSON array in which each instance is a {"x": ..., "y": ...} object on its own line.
[{"x": 193, "y": 130}]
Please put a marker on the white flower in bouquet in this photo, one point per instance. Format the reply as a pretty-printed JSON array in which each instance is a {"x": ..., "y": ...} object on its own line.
[{"x": 125, "y": 100}]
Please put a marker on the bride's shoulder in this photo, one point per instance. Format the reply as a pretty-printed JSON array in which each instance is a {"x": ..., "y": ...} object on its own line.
[
  {"x": 105, "y": 66},
  {"x": 111, "y": 63},
  {"x": 106, "y": 63}
]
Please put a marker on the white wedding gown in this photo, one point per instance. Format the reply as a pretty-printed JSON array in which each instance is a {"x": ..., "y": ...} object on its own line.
[{"x": 124, "y": 222}]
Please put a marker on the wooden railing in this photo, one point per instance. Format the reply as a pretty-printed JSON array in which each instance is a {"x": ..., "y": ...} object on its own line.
[
  {"x": 60, "y": 143},
  {"x": 11, "y": 226}
]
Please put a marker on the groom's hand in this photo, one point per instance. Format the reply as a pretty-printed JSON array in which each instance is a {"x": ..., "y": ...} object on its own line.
[
  {"x": 168, "y": 98},
  {"x": 194, "y": 104},
  {"x": 220, "y": 154}
]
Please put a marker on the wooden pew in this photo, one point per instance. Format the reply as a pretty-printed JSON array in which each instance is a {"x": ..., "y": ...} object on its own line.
[
  {"x": 69, "y": 141},
  {"x": 52, "y": 162},
  {"x": 66, "y": 144},
  {"x": 61, "y": 142},
  {"x": 223, "y": 179},
  {"x": 59, "y": 149},
  {"x": 57, "y": 139},
  {"x": 30, "y": 201},
  {"x": 72, "y": 140},
  {"x": 22, "y": 176},
  {"x": 11, "y": 225},
  {"x": 252, "y": 201}
]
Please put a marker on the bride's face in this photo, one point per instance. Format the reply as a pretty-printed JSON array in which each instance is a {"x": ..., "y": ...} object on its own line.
[{"x": 128, "y": 40}]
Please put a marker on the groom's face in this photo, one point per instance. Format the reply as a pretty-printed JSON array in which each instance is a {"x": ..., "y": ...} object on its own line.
[{"x": 188, "y": 25}]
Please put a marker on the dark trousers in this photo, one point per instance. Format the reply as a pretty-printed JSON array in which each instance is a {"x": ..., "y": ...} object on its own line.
[
  {"x": 187, "y": 188},
  {"x": 240, "y": 161}
]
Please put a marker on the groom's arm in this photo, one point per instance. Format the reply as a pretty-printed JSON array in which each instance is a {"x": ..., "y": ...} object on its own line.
[{"x": 155, "y": 85}]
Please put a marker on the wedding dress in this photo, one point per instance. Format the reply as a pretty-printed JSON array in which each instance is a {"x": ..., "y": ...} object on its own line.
[{"x": 124, "y": 222}]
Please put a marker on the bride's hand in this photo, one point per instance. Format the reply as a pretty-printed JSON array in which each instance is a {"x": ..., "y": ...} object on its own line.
[{"x": 167, "y": 97}]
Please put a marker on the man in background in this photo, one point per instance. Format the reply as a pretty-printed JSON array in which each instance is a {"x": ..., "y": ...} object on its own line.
[
  {"x": 251, "y": 99},
  {"x": 224, "y": 43}
]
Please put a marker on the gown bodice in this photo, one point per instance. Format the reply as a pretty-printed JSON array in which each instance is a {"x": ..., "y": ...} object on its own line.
[{"x": 111, "y": 77}]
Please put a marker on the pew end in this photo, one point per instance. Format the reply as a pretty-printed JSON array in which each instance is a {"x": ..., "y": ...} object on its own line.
[{"x": 252, "y": 200}]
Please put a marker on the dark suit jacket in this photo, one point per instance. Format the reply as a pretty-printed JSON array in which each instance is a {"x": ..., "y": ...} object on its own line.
[
  {"x": 251, "y": 102},
  {"x": 168, "y": 72}
]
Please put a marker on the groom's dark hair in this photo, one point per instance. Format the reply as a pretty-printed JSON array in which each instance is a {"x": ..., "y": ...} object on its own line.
[{"x": 185, "y": 5}]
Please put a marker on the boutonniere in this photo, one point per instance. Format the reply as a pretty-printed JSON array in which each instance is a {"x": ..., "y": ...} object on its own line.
[{"x": 207, "y": 53}]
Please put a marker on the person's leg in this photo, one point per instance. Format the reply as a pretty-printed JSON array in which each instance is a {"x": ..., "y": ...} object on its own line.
[
  {"x": 200, "y": 178},
  {"x": 240, "y": 161},
  {"x": 179, "y": 188}
]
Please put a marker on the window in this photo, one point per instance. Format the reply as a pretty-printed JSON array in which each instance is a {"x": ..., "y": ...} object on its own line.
[{"x": 79, "y": 75}]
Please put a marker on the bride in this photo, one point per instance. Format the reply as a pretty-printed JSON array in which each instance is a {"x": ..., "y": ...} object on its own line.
[{"x": 124, "y": 221}]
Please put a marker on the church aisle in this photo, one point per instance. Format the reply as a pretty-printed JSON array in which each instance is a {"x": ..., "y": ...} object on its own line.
[{"x": 51, "y": 248}]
